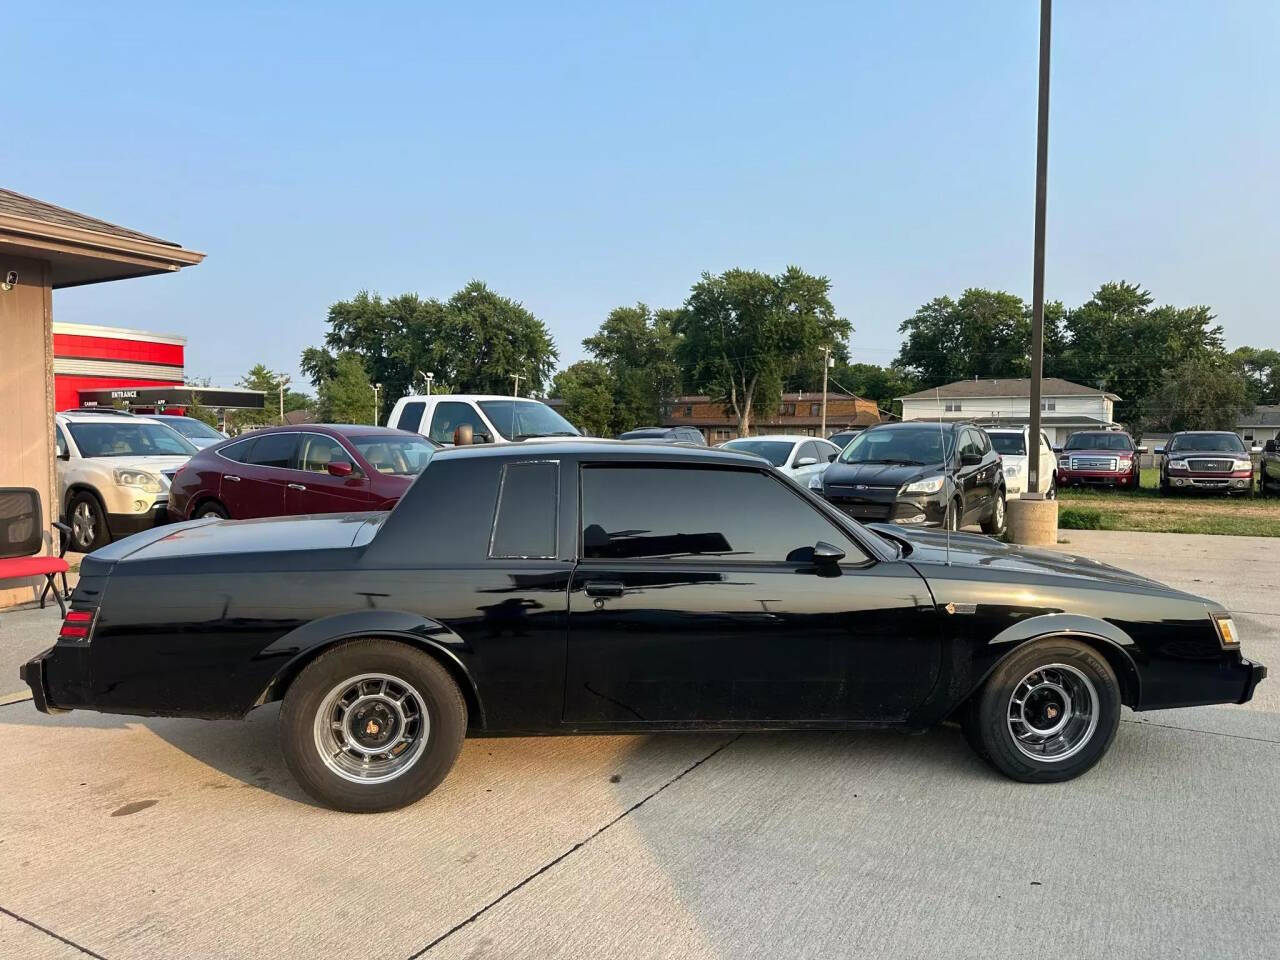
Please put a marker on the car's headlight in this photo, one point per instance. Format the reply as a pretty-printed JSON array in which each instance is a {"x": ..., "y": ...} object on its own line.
[
  {"x": 927, "y": 485},
  {"x": 815, "y": 482},
  {"x": 138, "y": 478},
  {"x": 1124, "y": 464},
  {"x": 1226, "y": 630},
  {"x": 1241, "y": 464},
  {"x": 1064, "y": 463},
  {"x": 1178, "y": 465},
  {"x": 1012, "y": 469}
]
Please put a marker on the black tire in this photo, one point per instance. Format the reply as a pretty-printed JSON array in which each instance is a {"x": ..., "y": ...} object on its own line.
[
  {"x": 994, "y": 525},
  {"x": 437, "y": 696},
  {"x": 951, "y": 519},
  {"x": 1164, "y": 488},
  {"x": 88, "y": 522},
  {"x": 210, "y": 508},
  {"x": 989, "y": 729},
  {"x": 1052, "y": 492}
]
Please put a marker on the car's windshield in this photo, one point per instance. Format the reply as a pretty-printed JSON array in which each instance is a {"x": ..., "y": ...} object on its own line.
[
  {"x": 1212, "y": 442},
  {"x": 1009, "y": 444},
  {"x": 522, "y": 419},
  {"x": 190, "y": 427},
  {"x": 128, "y": 439},
  {"x": 914, "y": 445},
  {"x": 1099, "y": 441},
  {"x": 775, "y": 451},
  {"x": 401, "y": 456},
  {"x": 840, "y": 439}
]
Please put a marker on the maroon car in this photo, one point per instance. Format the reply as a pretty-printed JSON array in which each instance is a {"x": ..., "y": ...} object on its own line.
[
  {"x": 1106, "y": 458},
  {"x": 291, "y": 470}
]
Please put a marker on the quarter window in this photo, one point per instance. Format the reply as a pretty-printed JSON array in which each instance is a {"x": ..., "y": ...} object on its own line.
[
  {"x": 524, "y": 524},
  {"x": 239, "y": 451},
  {"x": 411, "y": 416},
  {"x": 318, "y": 451},
  {"x": 451, "y": 415},
  {"x": 669, "y": 513}
]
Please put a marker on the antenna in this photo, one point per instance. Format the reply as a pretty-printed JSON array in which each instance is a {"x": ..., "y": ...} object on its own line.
[{"x": 946, "y": 474}]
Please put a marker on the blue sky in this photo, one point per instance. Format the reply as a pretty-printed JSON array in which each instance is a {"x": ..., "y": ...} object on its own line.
[{"x": 581, "y": 156}]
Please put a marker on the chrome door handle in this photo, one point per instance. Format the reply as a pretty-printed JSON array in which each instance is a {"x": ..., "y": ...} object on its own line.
[
  {"x": 228, "y": 476},
  {"x": 296, "y": 486}
]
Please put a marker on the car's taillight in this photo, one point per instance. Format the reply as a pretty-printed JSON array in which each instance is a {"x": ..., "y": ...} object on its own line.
[{"x": 77, "y": 625}]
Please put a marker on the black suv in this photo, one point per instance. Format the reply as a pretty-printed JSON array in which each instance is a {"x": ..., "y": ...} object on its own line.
[
  {"x": 919, "y": 473},
  {"x": 1205, "y": 461}
]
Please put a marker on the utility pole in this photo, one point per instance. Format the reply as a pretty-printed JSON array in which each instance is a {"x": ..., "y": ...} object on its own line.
[
  {"x": 516, "y": 378},
  {"x": 430, "y": 377},
  {"x": 282, "y": 382},
  {"x": 376, "y": 388},
  {"x": 826, "y": 365},
  {"x": 1037, "y": 281}
]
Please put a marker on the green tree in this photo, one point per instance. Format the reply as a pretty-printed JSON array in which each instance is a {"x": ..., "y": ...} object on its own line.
[
  {"x": 347, "y": 396},
  {"x": 1261, "y": 372},
  {"x": 986, "y": 333},
  {"x": 260, "y": 377},
  {"x": 881, "y": 384},
  {"x": 741, "y": 331},
  {"x": 637, "y": 347},
  {"x": 587, "y": 389},
  {"x": 1203, "y": 392},
  {"x": 495, "y": 339}
]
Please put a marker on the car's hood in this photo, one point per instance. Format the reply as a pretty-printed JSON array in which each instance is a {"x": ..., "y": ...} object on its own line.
[
  {"x": 876, "y": 474},
  {"x": 929, "y": 547},
  {"x": 154, "y": 464},
  {"x": 1211, "y": 454},
  {"x": 211, "y": 537},
  {"x": 1097, "y": 452}
]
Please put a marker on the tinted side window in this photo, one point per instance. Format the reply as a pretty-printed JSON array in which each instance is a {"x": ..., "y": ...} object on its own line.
[
  {"x": 61, "y": 440},
  {"x": 524, "y": 525},
  {"x": 273, "y": 450},
  {"x": 239, "y": 451},
  {"x": 318, "y": 451},
  {"x": 969, "y": 444},
  {"x": 450, "y": 415},
  {"x": 411, "y": 416},
  {"x": 700, "y": 514},
  {"x": 984, "y": 442}
]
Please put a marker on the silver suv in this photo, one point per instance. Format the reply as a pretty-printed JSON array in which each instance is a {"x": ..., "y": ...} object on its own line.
[{"x": 113, "y": 474}]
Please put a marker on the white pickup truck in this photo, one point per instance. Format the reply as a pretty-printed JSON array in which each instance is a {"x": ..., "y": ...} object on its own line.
[{"x": 492, "y": 419}]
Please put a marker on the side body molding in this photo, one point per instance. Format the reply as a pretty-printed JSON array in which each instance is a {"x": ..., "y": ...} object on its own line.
[{"x": 296, "y": 648}]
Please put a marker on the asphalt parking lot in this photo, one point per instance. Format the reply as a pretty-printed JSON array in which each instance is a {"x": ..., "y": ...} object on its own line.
[{"x": 131, "y": 838}]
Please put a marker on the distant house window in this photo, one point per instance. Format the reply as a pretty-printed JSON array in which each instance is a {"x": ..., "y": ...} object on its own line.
[
  {"x": 815, "y": 409},
  {"x": 688, "y": 411},
  {"x": 1048, "y": 405},
  {"x": 787, "y": 409},
  {"x": 953, "y": 406}
]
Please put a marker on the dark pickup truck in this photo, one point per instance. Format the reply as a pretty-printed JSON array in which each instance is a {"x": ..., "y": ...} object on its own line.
[
  {"x": 1269, "y": 469},
  {"x": 1206, "y": 461}
]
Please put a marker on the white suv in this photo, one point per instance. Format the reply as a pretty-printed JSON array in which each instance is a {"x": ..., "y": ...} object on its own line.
[
  {"x": 113, "y": 474},
  {"x": 492, "y": 419}
]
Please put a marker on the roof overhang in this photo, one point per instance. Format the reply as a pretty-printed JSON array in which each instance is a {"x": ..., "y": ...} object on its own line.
[
  {"x": 215, "y": 397},
  {"x": 80, "y": 256}
]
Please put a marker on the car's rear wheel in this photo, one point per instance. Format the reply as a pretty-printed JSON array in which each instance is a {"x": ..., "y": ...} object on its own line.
[
  {"x": 88, "y": 523},
  {"x": 372, "y": 725},
  {"x": 1052, "y": 492},
  {"x": 994, "y": 524},
  {"x": 1048, "y": 713},
  {"x": 951, "y": 519},
  {"x": 210, "y": 509}
]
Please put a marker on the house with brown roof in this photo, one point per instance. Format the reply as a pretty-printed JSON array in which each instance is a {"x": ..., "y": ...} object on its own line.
[
  {"x": 796, "y": 413},
  {"x": 43, "y": 248},
  {"x": 1065, "y": 407}
]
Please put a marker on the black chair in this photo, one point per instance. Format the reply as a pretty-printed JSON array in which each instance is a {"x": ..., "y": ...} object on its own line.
[{"x": 22, "y": 540}]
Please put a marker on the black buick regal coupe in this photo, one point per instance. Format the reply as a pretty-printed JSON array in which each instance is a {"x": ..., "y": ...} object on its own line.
[{"x": 600, "y": 587}]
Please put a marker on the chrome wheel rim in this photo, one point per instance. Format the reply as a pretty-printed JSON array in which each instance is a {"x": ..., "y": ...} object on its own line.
[
  {"x": 82, "y": 524},
  {"x": 371, "y": 728},
  {"x": 999, "y": 513},
  {"x": 1053, "y": 713}
]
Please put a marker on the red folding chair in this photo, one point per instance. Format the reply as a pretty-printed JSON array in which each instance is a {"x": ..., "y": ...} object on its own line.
[{"x": 22, "y": 543}]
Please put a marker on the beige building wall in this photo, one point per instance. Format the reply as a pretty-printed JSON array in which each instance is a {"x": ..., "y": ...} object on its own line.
[{"x": 26, "y": 372}]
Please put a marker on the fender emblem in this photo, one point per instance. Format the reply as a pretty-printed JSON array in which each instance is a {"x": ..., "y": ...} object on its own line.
[{"x": 954, "y": 608}]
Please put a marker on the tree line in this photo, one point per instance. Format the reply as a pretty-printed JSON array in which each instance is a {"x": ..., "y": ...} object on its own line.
[{"x": 743, "y": 337}]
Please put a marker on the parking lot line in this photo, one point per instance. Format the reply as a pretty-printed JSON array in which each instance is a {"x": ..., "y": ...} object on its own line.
[{"x": 16, "y": 697}]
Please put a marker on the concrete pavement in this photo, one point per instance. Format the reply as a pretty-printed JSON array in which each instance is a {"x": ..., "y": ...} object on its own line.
[{"x": 134, "y": 838}]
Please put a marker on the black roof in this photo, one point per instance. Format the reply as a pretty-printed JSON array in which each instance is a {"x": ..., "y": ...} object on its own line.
[{"x": 601, "y": 450}]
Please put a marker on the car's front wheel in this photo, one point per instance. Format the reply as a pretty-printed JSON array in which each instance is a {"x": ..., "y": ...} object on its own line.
[
  {"x": 210, "y": 509},
  {"x": 994, "y": 524},
  {"x": 1048, "y": 713},
  {"x": 372, "y": 725},
  {"x": 88, "y": 523}
]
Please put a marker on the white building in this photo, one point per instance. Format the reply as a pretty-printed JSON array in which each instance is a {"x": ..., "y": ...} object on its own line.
[
  {"x": 1065, "y": 407},
  {"x": 1259, "y": 426}
]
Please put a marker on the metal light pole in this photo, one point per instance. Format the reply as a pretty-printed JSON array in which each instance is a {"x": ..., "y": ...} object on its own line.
[
  {"x": 826, "y": 366},
  {"x": 376, "y": 388},
  {"x": 1037, "y": 282},
  {"x": 283, "y": 382},
  {"x": 430, "y": 377},
  {"x": 515, "y": 379}
]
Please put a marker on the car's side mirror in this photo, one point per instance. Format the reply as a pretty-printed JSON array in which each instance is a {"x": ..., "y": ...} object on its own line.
[
  {"x": 339, "y": 469},
  {"x": 65, "y": 455},
  {"x": 1142, "y": 449},
  {"x": 824, "y": 552},
  {"x": 1269, "y": 447},
  {"x": 806, "y": 462},
  {"x": 831, "y": 457},
  {"x": 1255, "y": 449},
  {"x": 970, "y": 459},
  {"x": 1159, "y": 451}
]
